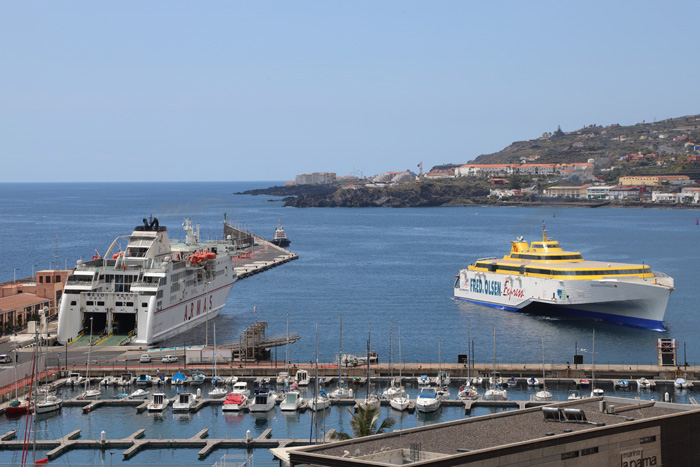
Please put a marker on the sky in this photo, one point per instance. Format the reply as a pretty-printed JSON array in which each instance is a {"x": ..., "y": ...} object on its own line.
[{"x": 242, "y": 90}]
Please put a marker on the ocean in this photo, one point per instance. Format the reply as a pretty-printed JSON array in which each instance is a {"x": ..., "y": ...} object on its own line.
[{"x": 376, "y": 266}]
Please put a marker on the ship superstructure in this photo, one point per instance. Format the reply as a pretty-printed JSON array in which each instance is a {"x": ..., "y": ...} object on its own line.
[
  {"x": 152, "y": 290},
  {"x": 543, "y": 275}
]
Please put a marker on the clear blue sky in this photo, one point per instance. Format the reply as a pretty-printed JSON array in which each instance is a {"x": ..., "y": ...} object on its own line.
[{"x": 247, "y": 90}]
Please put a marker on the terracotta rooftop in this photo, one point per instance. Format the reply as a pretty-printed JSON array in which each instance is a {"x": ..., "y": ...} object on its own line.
[{"x": 20, "y": 301}]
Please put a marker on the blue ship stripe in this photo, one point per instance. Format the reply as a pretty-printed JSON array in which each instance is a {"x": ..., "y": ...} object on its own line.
[
  {"x": 628, "y": 320},
  {"x": 492, "y": 305}
]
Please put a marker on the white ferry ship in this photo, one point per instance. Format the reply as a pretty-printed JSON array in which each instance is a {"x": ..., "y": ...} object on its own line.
[
  {"x": 151, "y": 291},
  {"x": 542, "y": 275}
]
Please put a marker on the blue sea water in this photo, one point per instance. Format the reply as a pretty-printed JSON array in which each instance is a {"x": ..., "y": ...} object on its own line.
[{"x": 373, "y": 265}]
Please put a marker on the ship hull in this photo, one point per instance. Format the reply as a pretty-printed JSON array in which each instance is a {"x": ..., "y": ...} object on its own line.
[{"x": 630, "y": 301}]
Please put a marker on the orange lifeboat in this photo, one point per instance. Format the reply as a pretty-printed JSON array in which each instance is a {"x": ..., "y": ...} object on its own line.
[
  {"x": 211, "y": 255},
  {"x": 116, "y": 255}
]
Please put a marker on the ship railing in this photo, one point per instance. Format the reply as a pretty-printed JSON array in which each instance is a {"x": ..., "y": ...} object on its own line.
[
  {"x": 659, "y": 274},
  {"x": 84, "y": 283},
  {"x": 144, "y": 284},
  {"x": 488, "y": 258}
]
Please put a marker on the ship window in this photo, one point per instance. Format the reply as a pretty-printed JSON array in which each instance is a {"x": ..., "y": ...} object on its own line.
[
  {"x": 58, "y": 278},
  {"x": 119, "y": 304},
  {"x": 89, "y": 303},
  {"x": 100, "y": 303},
  {"x": 73, "y": 303},
  {"x": 129, "y": 303},
  {"x": 144, "y": 304},
  {"x": 569, "y": 455},
  {"x": 647, "y": 439},
  {"x": 589, "y": 451}
]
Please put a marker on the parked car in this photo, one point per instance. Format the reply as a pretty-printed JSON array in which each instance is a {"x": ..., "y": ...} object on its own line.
[
  {"x": 145, "y": 358},
  {"x": 4, "y": 358},
  {"x": 169, "y": 359}
]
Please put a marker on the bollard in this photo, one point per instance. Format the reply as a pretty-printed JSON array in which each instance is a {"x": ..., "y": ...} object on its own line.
[
  {"x": 103, "y": 437},
  {"x": 199, "y": 393},
  {"x": 248, "y": 437},
  {"x": 667, "y": 397}
]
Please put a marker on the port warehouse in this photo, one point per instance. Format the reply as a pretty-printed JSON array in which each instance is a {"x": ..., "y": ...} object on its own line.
[{"x": 603, "y": 431}]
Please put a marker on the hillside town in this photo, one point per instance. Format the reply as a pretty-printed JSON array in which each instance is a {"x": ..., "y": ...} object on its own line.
[{"x": 646, "y": 162}]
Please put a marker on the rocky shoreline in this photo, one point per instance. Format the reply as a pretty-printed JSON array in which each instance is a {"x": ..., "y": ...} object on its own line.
[{"x": 429, "y": 195}]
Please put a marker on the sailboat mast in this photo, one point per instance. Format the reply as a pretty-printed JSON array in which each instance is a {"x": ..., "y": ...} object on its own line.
[
  {"x": 493, "y": 372},
  {"x": 544, "y": 384},
  {"x": 286, "y": 363},
  {"x": 391, "y": 349},
  {"x": 369, "y": 343},
  {"x": 315, "y": 415},
  {"x": 340, "y": 357},
  {"x": 469, "y": 359},
  {"x": 400, "y": 357},
  {"x": 593, "y": 370}
]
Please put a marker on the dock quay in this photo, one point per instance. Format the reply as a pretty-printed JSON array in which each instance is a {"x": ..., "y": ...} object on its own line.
[
  {"x": 133, "y": 444},
  {"x": 257, "y": 254}
]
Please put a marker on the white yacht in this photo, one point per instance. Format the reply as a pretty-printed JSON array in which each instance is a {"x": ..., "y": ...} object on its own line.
[
  {"x": 241, "y": 387},
  {"x": 184, "y": 402},
  {"x": 427, "y": 400},
  {"x": 234, "y": 402},
  {"x": 320, "y": 401},
  {"x": 543, "y": 274},
  {"x": 48, "y": 402},
  {"x": 150, "y": 290},
  {"x": 400, "y": 403},
  {"x": 302, "y": 378},
  {"x": 292, "y": 401},
  {"x": 263, "y": 400},
  {"x": 158, "y": 402}
]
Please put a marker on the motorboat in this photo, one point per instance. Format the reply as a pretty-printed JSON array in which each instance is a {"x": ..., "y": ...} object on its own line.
[
  {"x": 443, "y": 393},
  {"x": 643, "y": 383},
  {"x": 143, "y": 380},
  {"x": 623, "y": 384},
  {"x": 178, "y": 379},
  {"x": 231, "y": 380},
  {"x": 427, "y": 400},
  {"x": 19, "y": 405},
  {"x": 263, "y": 400},
  {"x": 512, "y": 382},
  {"x": 283, "y": 378},
  {"x": 292, "y": 401},
  {"x": 680, "y": 383},
  {"x": 217, "y": 392},
  {"x": 584, "y": 383},
  {"x": 184, "y": 402},
  {"x": 75, "y": 379},
  {"x": 161, "y": 379},
  {"x": 197, "y": 378},
  {"x": 302, "y": 378},
  {"x": 90, "y": 393},
  {"x": 108, "y": 380},
  {"x": 574, "y": 395},
  {"x": 467, "y": 393},
  {"x": 597, "y": 392},
  {"x": 533, "y": 382},
  {"x": 234, "y": 402},
  {"x": 241, "y": 387},
  {"x": 158, "y": 402},
  {"x": 476, "y": 381},
  {"x": 320, "y": 401},
  {"x": 126, "y": 379},
  {"x": 495, "y": 379},
  {"x": 395, "y": 390},
  {"x": 442, "y": 378},
  {"x": 139, "y": 394},
  {"x": 423, "y": 380}
]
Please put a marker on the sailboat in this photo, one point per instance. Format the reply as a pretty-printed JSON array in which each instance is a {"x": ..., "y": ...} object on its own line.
[
  {"x": 543, "y": 395},
  {"x": 19, "y": 405},
  {"x": 320, "y": 401},
  {"x": 495, "y": 393},
  {"x": 90, "y": 392},
  {"x": 596, "y": 391},
  {"x": 400, "y": 401},
  {"x": 442, "y": 380},
  {"x": 343, "y": 391},
  {"x": 395, "y": 389},
  {"x": 283, "y": 378},
  {"x": 218, "y": 389},
  {"x": 47, "y": 401},
  {"x": 468, "y": 391},
  {"x": 371, "y": 399}
]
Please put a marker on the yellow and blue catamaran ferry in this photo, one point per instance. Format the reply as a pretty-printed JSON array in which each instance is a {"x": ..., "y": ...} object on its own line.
[{"x": 541, "y": 274}]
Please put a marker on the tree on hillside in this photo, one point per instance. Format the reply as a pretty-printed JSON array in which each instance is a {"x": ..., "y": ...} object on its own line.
[
  {"x": 558, "y": 132},
  {"x": 364, "y": 423}
]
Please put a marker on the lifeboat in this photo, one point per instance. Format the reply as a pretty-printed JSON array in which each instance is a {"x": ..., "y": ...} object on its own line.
[{"x": 117, "y": 255}]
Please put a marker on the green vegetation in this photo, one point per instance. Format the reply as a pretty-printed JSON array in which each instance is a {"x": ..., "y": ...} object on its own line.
[{"x": 364, "y": 423}]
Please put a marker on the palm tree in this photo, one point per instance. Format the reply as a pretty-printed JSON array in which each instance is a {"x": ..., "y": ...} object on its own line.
[{"x": 364, "y": 423}]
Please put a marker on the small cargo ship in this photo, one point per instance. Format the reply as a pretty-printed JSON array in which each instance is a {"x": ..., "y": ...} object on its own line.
[
  {"x": 280, "y": 237},
  {"x": 152, "y": 290},
  {"x": 542, "y": 277}
]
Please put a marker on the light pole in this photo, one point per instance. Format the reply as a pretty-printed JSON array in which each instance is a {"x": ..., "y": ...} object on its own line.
[
  {"x": 111, "y": 453},
  {"x": 14, "y": 275},
  {"x": 33, "y": 267}
]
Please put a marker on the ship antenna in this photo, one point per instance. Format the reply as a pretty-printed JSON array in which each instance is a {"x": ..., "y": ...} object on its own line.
[{"x": 544, "y": 231}]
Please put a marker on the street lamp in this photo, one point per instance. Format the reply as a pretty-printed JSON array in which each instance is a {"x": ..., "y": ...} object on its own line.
[
  {"x": 14, "y": 275},
  {"x": 111, "y": 453}
]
